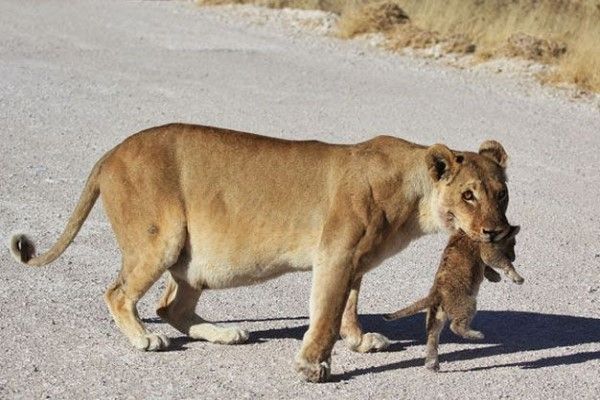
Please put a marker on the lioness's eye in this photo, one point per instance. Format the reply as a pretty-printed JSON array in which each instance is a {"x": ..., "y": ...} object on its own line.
[
  {"x": 502, "y": 194},
  {"x": 467, "y": 196}
]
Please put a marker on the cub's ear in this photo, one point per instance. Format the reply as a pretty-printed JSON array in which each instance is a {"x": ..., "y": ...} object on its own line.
[
  {"x": 441, "y": 162},
  {"x": 514, "y": 230},
  {"x": 494, "y": 151}
]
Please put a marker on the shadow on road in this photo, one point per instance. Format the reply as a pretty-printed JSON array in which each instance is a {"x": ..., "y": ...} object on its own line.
[{"x": 508, "y": 332}]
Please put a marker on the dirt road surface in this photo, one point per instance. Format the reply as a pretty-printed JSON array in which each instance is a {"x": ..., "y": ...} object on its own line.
[{"x": 78, "y": 77}]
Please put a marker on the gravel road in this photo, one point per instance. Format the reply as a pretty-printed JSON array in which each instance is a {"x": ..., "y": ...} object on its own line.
[{"x": 78, "y": 77}]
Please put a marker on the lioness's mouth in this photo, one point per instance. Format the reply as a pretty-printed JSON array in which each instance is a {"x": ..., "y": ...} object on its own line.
[{"x": 449, "y": 220}]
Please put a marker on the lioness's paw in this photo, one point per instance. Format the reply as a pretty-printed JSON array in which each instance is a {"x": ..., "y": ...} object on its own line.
[
  {"x": 371, "y": 342},
  {"x": 313, "y": 371},
  {"x": 217, "y": 334},
  {"x": 232, "y": 336},
  {"x": 150, "y": 342}
]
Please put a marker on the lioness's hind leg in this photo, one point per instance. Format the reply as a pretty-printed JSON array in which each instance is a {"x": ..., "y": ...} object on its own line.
[
  {"x": 144, "y": 261},
  {"x": 151, "y": 230},
  {"x": 140, "y": 270},
  {"x": 177, "y": 307},
  {"x": 121, "y": 299}
]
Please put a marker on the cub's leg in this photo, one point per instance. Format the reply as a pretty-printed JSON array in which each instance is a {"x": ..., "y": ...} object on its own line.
[
  {"x": 509, "y": 270},
  {"x": 436, "y": 318},
  {"x": 514, "y": 275},
  {"x": 461, "y": 320},
  {"x": 351, "y": 331},
  {"x": 177, "y": 307},
  {"x": 516, "y": 278},
  {"x": 491, "y": 275}
]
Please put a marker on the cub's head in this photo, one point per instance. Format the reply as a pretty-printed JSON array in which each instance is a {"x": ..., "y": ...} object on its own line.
[
  {"x": 501, "y": 254},
  {"x": 493, "y": 252},
  {"x": 470, "y": 190},
  {"x": 506, "y": 245}
]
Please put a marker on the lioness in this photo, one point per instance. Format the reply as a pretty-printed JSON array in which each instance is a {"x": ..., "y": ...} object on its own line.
[
  {"x": 454, "y": 292},
  {"x": 218, "y": 208}
]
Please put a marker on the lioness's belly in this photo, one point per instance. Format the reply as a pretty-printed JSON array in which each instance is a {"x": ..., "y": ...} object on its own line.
[
  {"x": 203, "y": 270},
  {"x": 240, "y": 255}
]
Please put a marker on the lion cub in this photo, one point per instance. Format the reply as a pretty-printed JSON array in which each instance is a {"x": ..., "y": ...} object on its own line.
[{"x": 453, "y": 295}]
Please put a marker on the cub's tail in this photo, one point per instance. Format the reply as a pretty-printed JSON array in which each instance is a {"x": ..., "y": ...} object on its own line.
[
  {"x": 22, "y": 247},
  {"x": 410, "y": 310}
]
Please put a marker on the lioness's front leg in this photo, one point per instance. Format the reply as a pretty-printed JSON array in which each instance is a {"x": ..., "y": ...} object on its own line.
[
  {"x": 351, "y": 331},
  {"x": 330, "y": 288}
]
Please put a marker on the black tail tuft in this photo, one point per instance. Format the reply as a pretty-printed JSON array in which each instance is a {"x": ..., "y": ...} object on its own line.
[{"x": 22, "y": 248}]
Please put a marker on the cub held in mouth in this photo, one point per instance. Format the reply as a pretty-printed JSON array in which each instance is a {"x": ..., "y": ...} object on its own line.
[{"x": 453, "y": 295}]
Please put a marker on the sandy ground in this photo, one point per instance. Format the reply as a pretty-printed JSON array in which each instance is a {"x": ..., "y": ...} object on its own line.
[{"x": 78, "y": 77}]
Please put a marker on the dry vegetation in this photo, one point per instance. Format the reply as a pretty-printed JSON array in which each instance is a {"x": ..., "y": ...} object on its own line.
[
  {"x": 564, "y": 33},
  {"x": 335, "y": 6}
]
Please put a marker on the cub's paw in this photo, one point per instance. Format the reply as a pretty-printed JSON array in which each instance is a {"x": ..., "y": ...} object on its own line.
[
  {"x": 150, "y": 342},
  {"x": 370, "y": 342},
  {"x": 313, "y": 371},
  {"x": 432, "y": 365},
  {"x": 475, "y": 335}
]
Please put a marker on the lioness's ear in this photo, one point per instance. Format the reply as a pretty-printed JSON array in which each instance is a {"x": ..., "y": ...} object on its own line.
[
  {"x": 441, "y": 162},
  {"x": 494, "y": 151}
]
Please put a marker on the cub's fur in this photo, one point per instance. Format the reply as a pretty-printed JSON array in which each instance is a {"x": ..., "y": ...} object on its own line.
[
  {"x": 214, "y": 208},
  {"x": 453, "y": 295}
]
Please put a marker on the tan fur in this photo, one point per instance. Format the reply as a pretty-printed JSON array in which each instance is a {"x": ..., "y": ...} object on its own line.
[
  {"x": 218, "y": 208},
  {"x": 453, "y": 295}
]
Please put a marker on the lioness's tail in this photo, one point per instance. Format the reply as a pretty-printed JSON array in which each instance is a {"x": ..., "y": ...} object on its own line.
[
  {"x": 23, "y": 249},
  {"x": 410, "y": 310}
]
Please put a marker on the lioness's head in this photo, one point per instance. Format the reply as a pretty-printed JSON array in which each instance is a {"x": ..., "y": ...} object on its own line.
[{"x": 470, "y": 190}]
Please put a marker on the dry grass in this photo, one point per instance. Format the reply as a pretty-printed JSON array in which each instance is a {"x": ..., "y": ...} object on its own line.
[
  {"x": 533, "y": 48},
  {"x": 564, "y": 33},
  {"x": 581, "y": 66},
  {"x": 410, "y": 35},
  {"x": 377, "y": 16},
  {"x": 335, "y": 6}
]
